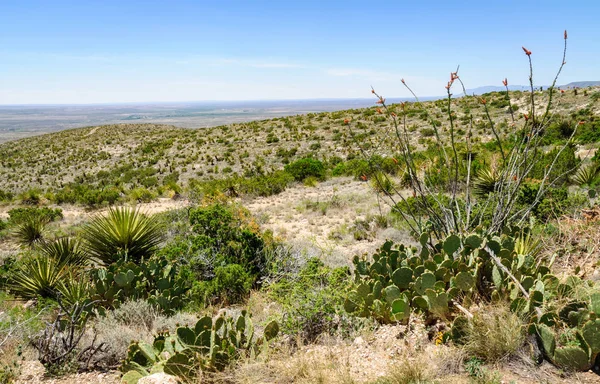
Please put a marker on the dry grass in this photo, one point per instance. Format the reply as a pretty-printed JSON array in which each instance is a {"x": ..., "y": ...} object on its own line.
[
  {"x": 577, "y": 245},
  {"x": 496, "y": 334}
]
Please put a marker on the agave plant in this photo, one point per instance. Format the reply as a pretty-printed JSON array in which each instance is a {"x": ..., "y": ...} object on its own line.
[
  {"x": 123, "y": 233},
  {"x": 65, "y": 250},
  {"x": 74, "y": 290},
  {"x": 586, "y": 175},
  {"x": 31, "y": 231},
  {"x": 38, "y": 276},
  {"x": 486, "y": 182}
]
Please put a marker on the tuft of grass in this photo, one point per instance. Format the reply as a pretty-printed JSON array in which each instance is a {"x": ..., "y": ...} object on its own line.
[
  {"x": 495, "y": 334},
  {"x": 407, "y": 371}
]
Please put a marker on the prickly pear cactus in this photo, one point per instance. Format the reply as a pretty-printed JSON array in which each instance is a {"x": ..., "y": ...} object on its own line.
[
  {"x": 153, "y": 280},
  {"x": 211, "y": 345}
]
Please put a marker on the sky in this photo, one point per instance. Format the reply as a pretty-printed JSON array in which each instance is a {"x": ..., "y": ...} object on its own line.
[{"x": 105, "y": 51}]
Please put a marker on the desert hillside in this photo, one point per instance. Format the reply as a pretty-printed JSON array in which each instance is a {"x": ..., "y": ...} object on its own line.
[{"x": 453, "y": 240}]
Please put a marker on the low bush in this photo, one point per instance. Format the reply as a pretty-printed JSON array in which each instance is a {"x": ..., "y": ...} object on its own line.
[
  {"x": 312, "y": 301},
  {"x": 230, "y": 285},
  {"x": 303, "y": 168},
  {"x": 19, "y": 215}
]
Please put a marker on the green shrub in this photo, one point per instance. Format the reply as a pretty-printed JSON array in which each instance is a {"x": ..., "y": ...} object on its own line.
[
  {"x": 303, "y": 168},
  {"x": 20, "y": 215},
  {"x": 5, "y": 196},
  {"x": 31, "y": 197},
  {"x": 141, "y": 195},
  {"x": 230, "y": 285},
  {"x": 225, "y": 236},
  {"x": 312, "y": 301}
]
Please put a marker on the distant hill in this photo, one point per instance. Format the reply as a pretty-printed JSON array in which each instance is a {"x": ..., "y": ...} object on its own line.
[
  {"x": 494, "y": 88},
  {"x": 581, "y": 84}
]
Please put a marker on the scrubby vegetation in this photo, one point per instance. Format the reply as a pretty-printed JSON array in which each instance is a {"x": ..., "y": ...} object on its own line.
[{"x": 487, "y": 277}]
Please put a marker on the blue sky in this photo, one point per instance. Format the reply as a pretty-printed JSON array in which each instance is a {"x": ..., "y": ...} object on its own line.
[{"x": 137, "y": 51}]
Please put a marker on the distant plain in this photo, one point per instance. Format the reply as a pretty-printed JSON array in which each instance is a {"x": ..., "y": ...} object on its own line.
[{"x": 19, "y": 121}]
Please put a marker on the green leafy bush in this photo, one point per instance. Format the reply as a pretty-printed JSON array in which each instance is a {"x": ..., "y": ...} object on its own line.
[
  {"x": 230, "y": 285},
  {"x": 312, "y": 301},
  {"x": 227, "y": 239},
  {"x": 303, "y": 168},
  {"x": 19, "y": 215}
]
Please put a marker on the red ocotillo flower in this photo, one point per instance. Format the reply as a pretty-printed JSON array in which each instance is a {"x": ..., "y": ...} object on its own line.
[
  {"x": 527, "y": 51},
  {"x": 565, "y": 34},
  {"x": 505, "y": 82},
  {"x": 394, "y": 160},
  {"x": 403, "y": 82},
  {"x": 346, "y": 121},
  {"x": 372, "y": 90},
  {"x": 363, "y": 177},
  {"x": 483, "y": 101},
  {"x": 526, "y": 116},
  {"x": 379, "y": 111}
]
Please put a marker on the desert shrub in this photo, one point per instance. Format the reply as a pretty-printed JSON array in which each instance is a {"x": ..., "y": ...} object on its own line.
[
  {"x": 5, "y": 196},
  {"x": 135, "y": 313},
  {"x": 230, "y": 285},
  {"x": 427, "y": 132},
  {"x": 589, "y": 132},
  {"x": 141, "y": 195},
  {"x": 3, "y": 225},
  {"x": 224, "y": 236},
  {"x": 254, "y": 185},
  {"x": 312, "y": 301},
  {"x": 559, "y": 131},
  {"x": 563, "y": 163},
  {"x": 31, "y": 197},
  {"x": 555, "y": 203},
  {"x": 303, "y": 168},
  {"x": 19, "y": 215},
  {"x": 87, "y": 194}
]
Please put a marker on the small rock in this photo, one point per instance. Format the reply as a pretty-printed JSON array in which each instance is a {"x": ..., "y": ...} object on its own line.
[
  {"x": 359, "y": 340},
  {"x": 596, "y": 275},
  {"x": 158, "y": 378}
]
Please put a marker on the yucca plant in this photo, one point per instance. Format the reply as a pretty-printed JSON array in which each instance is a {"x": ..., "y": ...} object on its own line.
[
  {"x": 528, "y": 245},
  {"x": 38, "y": 276},
  {"x": 74, "y": 290},
  {"x": 31, "y": 231},
  {"x": 586, "y": 175},
  {"x": 65, "y": 250},
  {"x": 123, "y": 233},
  {"x": 486, "y": 182}
]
